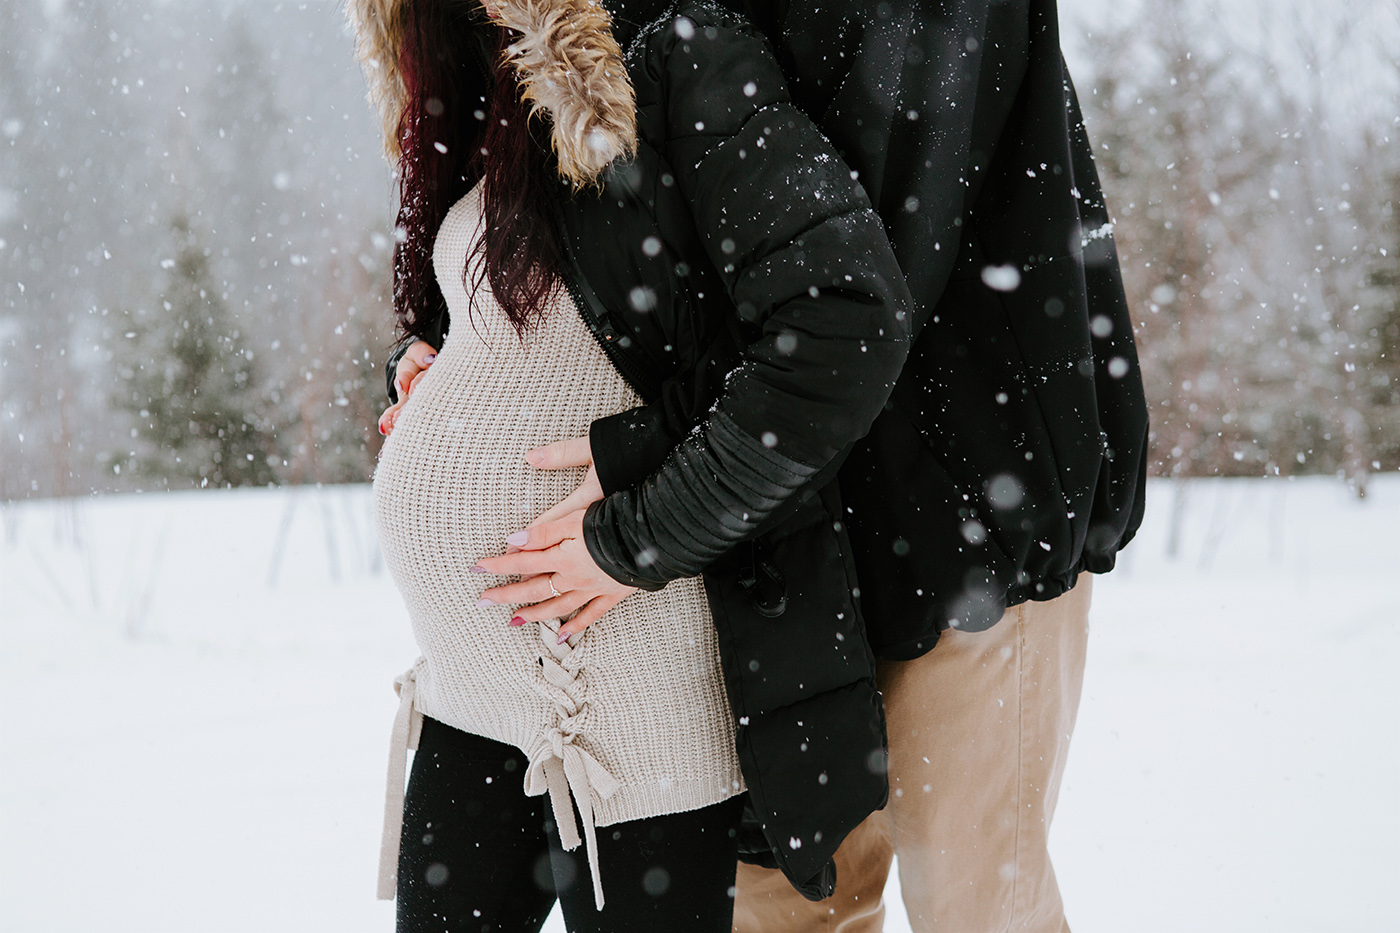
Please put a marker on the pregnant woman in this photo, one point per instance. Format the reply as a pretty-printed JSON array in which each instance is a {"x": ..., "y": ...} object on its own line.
[{"x": 588, "y": 241}]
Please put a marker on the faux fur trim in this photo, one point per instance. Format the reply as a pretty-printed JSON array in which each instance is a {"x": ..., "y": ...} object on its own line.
[
  {"x": 566, "y": 60},
  {"x": 569, "y": 65},
  {"x": 378, "y": 29}
]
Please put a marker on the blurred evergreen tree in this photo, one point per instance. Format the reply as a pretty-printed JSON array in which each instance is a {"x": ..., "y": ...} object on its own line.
[{"x": 189, "y": 381}]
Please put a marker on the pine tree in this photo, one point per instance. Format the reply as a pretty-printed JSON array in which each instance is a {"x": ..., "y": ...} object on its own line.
[{"x": 191, "y": 385}]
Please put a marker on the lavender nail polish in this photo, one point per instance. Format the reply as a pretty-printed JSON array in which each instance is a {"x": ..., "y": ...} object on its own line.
[
  {"x": 518, "y": 539},
  {"x": 478, "y": 569},
  {"x": 563, "y": 637},
  {"x": 483, "y": 601},
  {"x": 428, "y": 360}
]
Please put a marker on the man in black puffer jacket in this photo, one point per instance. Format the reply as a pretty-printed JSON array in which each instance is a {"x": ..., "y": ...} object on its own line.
[{"x": 1008, "y": 461}]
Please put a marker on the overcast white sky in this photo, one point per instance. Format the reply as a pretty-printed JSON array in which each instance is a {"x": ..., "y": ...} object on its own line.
[{"x": 1356, "y": 42}]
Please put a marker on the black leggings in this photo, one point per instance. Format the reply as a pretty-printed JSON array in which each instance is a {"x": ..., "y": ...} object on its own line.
[{"x": 478, "y": 856}]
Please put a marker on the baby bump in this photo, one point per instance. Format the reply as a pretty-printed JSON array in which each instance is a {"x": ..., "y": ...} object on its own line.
[{"x": 443, "y": 502}]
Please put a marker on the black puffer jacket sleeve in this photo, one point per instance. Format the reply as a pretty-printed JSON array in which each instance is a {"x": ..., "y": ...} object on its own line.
[
  {"x": 629, "y": 446},
  {"x": 810, "y": 271}
]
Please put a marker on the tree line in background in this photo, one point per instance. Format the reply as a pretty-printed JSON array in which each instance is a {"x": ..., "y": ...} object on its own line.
[
  {"x": 194, "y": 248},
  {"x": 1254, "y": 177},
  {"x": 195, "y": 235}
]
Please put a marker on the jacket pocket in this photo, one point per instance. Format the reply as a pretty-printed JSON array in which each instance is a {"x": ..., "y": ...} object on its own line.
[{"x": 786, "y": 611}]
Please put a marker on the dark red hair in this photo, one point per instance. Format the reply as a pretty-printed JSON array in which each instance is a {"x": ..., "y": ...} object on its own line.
[{"x": 463, "y": 120}]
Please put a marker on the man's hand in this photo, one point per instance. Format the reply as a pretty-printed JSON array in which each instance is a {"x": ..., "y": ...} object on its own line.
[
  {"x": 554, "y": 559},
  {"x": 411, "y": 368},
  {"x": 560, "y": 456}
]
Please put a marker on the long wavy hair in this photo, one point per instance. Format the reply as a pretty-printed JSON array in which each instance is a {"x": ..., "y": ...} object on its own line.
[{"x": 464, "y": 121}]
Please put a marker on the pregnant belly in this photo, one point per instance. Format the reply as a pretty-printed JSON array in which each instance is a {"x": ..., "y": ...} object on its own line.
[{"x": 452, "y": 483}]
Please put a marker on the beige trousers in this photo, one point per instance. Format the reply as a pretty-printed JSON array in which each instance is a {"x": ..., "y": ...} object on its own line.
[{"x": 979, "y": 730}]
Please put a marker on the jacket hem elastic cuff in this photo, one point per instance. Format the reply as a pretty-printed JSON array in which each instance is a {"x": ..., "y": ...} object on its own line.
[{"x": 622, "y": 575}]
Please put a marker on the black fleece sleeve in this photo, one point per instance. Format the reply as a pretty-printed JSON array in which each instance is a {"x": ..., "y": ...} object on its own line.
[
  {"x": 391, "y": 369},
  {"x": 809, "y": 269}
]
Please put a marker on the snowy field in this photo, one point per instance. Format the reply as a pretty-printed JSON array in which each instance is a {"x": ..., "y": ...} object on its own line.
[{"x": 195, "y": 711}]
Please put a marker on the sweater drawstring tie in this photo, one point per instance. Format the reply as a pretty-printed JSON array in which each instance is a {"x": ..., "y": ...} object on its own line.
[
  {"x": 559, "y": 766},
  {"x": 408, "y": 726}
]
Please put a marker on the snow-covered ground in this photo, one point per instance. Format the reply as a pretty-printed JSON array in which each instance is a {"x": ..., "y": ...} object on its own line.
[{"x": 195, "y": 710}]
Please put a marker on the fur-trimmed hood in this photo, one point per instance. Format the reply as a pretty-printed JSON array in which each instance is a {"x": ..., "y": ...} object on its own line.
[{"x": 566, "y": 59}]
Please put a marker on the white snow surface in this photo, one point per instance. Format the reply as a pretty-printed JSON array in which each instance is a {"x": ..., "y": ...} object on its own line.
[{"x": 195, "y": 729}]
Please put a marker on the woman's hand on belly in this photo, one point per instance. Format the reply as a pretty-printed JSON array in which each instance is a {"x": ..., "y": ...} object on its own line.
[
  {"x": 556, "y": 559},
  {"x": 409, "y": 372}
]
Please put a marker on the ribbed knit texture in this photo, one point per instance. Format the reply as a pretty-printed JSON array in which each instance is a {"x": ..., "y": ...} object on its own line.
[{"x": 640, "y": 692}]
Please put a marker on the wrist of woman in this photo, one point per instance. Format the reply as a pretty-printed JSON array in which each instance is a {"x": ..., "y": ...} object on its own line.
[{"x": 391, "y": 369}]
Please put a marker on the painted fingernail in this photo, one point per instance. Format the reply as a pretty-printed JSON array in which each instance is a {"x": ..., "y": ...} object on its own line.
[
  {"x": 517, "y": 621},
  {"x": 519, "y": 539},
  {"x": 381, "y": 430},
  {"x": 563, "y": 637},
  {"x": 483, "y": 601},
  {"x": 428, "y": 360},
  {"x": 479, "y": 569}
]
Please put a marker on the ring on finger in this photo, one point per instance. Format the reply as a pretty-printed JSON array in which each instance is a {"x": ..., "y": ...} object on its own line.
[{"x": 550, "y": 581}]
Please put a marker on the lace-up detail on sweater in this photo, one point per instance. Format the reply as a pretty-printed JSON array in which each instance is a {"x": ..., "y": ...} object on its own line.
[
  {"x": 564, "y": 766},
  {"x": 627, "y": 721}
]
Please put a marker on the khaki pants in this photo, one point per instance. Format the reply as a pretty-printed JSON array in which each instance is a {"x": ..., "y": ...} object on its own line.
[{"x": 979, "y": 730}]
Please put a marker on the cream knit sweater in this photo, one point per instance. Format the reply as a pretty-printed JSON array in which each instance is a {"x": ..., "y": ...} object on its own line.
[{"x": 630, "y": 719}]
